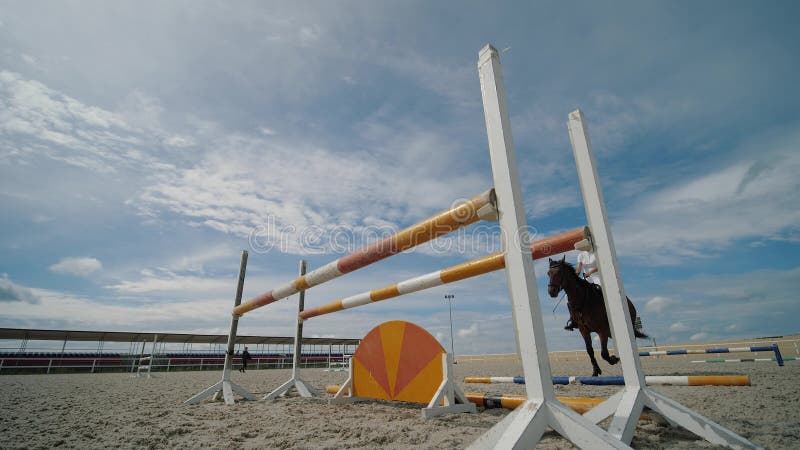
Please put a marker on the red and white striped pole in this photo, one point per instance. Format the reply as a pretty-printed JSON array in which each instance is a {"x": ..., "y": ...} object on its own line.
[
  {"x": 553, "y": 245},
  {"x": 465, "y": 213}
]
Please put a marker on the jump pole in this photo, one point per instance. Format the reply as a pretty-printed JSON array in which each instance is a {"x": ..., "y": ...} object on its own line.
[
  {"x": 761, "y": 348},
  {"x": 549, "y": 246},
  {"x": 626, "y": 406},
  {"x": 481, "y": 206},
  {"x": 225, "y": 385},
  {"x": 651, "y": 380},
  {"x": 304, "y": 389},
  {"x": 790, "y": 358},
  {"x": 523, "y": 427}
]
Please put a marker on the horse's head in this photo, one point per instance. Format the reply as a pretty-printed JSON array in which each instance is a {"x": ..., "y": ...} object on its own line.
[{"x": 557, "y": 273}]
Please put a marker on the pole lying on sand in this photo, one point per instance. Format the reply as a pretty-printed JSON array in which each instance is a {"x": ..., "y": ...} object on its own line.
[
  {"x": 491, "y": 401},
  {"x": 550, "y": 246},
  {"x": 481, "y": 206}
]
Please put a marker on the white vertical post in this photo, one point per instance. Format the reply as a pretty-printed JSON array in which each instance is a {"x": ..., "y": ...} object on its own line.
[
  {"x": 597, "y": 216},
  {"x": 627, "y": 405},
  {"x": 303, "y": 388},
  {"x": 519, "y": 265},
  {"x": 523, "y": 427}
]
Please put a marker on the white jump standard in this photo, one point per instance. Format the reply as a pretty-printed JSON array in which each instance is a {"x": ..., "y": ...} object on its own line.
[
  {"x": 524, "y": 426},
  {"x": 303, "y": 388}
]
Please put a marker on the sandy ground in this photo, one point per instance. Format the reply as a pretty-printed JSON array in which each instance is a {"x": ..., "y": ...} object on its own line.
[{"x": 116, "y": 410}]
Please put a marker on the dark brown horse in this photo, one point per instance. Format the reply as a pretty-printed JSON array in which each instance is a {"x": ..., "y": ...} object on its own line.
[{"x": 587, "y": 309}]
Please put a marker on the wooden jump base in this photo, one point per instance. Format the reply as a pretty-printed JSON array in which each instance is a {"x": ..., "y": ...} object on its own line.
[
  {"x": 651, "y": 380},
  {"x": 764, "y": 348},
  {"x": 550, "y": 246},
  {"x": 400, "y": 361},
  {"x": 465, "y": 213}
]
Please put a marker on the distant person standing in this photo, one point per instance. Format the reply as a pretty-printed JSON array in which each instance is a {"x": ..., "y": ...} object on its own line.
[{"x": 245, "y": 357}]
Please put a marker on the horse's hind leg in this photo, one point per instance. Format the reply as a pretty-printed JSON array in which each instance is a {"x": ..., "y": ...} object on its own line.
[
  {"x": 604, "y": 350},
  {"x": 587, "y": 338}
]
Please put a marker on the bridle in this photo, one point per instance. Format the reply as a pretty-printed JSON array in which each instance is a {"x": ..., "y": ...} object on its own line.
[{"x": 561, "y": 278}]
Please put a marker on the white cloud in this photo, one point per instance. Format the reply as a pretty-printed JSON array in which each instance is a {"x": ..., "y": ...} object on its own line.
[
  {"x": 658, "y": 304},
  {"x": 468, "y": 332},
  {"x": 11, "y": 292},
  {"x": 288, "y": 192},
  {"x": 267, "y": 131},
  {"x": 179, "y": 141},
  {"x": 679, "y": 327},
  {"x": 36, "y": 121},
  {"x": 699, "y": 336},
  {"x": 63, "y": 310},
  {"x": 77, "y": 266},
  {"x": 696, "y": 218},
  {"x": 172, "y": 283}
]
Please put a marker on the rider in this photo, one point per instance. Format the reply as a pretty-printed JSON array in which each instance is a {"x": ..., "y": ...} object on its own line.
[{"x": 587, "y": 264}]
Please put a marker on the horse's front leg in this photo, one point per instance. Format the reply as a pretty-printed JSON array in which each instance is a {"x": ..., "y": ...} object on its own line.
[
  {"x": 604, "y": 350},
  {"x": 587, "y": 338}
]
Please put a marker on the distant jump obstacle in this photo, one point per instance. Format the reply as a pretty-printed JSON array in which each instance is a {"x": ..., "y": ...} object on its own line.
[
  {"x": 651, "y": 380},
  {"x": 740, "y": 360},
  {"x": 763, "y": 348},
  {"x": 524, "y": 426}
]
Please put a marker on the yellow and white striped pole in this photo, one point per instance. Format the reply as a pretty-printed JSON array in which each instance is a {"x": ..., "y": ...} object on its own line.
[
  {"x": 481, "y": 206},
  {"x": 553, "y": 245}
]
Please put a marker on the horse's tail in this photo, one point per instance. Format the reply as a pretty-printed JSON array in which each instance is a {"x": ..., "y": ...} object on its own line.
[{"x": 639, "y": 333}]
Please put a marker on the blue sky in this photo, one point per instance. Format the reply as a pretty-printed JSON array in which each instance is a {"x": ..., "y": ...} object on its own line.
[{"x": 143, "y": 145}]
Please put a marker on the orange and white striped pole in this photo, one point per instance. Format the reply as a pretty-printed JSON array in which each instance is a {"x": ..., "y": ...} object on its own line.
[
  {"x": 550, "y": 246},
  {"x": 481, "y": 206}
]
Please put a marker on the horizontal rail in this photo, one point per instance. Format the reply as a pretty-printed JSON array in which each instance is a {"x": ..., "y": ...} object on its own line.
[
  {"x": 550, "y": 246},
  {"x": 651, "y": 380},
  {"x": 461, "y": 215}
]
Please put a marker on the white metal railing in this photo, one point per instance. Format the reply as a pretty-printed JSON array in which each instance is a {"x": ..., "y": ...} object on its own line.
[{"x": 130, "y": 363}]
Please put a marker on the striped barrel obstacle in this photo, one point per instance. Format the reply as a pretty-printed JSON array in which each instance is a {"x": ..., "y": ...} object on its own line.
[
  {"x": 763, "y": 348},
  {"x": 651, "y": 380}
]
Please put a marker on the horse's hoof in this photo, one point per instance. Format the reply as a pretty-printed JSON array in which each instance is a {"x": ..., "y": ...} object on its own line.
[
  {"x": 596, "y": 373},
  {"x": 614, "y": 360}
]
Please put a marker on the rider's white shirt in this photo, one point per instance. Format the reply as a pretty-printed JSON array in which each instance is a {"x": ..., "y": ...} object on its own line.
[{"x": 589, "y": 262}]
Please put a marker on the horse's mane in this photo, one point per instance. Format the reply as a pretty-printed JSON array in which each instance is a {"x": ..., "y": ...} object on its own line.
[
  {"x": 564, "y": 264},
  {"x": 557, "y": 263}
]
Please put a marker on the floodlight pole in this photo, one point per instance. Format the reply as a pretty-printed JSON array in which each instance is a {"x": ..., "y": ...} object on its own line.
[{"x": 450, "y": 298}]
